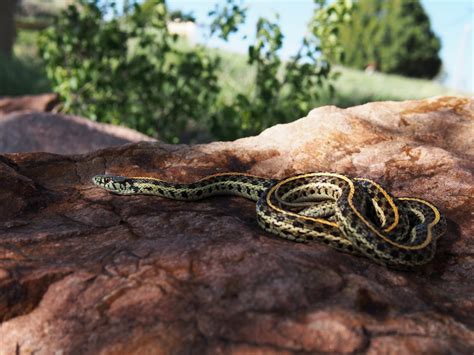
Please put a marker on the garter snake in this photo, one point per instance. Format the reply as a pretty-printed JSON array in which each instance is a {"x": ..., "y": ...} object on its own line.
[{"x": 354, "y": 215}]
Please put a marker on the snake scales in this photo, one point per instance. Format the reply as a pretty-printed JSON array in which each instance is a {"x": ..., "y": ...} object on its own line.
[{"x": 354, "y": 215}]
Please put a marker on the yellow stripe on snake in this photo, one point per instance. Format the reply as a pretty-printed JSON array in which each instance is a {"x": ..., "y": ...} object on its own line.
[{"x": 354, "y": 215}]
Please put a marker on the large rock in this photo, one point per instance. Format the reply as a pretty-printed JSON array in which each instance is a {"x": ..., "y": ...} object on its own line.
[
  {"x": 61, "y": 134},
  {"x": 85, "y": 271},
  {"x": 25, "y": 127}
]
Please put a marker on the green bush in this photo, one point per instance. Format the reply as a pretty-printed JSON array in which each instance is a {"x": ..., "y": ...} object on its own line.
[
  {"x": 124, "y": 67},
  {"x": 395, "y": 36}
]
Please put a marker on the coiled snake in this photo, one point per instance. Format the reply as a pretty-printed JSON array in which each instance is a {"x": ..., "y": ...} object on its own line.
[{"x": 354, "y": 215}]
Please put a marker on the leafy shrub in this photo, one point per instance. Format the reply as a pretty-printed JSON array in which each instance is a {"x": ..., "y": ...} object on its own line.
[
  {"x": 283, "y": 91},
  {"x": 129, "y": 69},
  {"x": 125, "y": 67}
]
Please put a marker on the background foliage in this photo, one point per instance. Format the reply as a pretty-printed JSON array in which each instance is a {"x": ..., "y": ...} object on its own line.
[
  {"x": 123, "y": 66},
  {"x": 130, "y": 69},
  {"x": 394, "y": 36}
]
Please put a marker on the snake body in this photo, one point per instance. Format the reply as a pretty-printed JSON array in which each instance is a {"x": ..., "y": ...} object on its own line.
[{"x": 354, "y": 215}]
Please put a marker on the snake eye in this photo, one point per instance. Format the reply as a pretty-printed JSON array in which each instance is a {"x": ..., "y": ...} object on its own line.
[{"x": 118, "y": 179}]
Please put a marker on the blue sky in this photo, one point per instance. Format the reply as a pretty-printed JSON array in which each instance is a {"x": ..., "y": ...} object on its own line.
[{"x": 452, "y": 21}]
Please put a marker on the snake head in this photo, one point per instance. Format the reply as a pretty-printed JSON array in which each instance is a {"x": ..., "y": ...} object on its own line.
[{"x": 116, "y": 184}]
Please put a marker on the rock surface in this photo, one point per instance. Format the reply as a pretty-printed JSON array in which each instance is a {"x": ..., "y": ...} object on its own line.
[
  {"x": 84, "y": 271},
  {"x": 36, "y": 103},
  {"x": 61, "y": 134}
]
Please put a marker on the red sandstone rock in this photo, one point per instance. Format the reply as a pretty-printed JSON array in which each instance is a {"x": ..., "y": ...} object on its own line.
[{"x": 85, "y": 271}]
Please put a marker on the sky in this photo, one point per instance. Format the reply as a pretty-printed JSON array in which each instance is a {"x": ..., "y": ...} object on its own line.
[{"x": 452, "y": 21}]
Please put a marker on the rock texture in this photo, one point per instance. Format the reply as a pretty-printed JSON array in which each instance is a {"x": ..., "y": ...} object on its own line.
[
  {"x": 61, "y": 134},
  {"x": 84, "y": 271}
]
